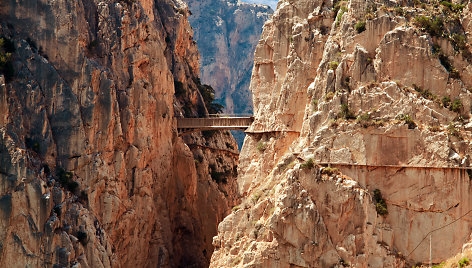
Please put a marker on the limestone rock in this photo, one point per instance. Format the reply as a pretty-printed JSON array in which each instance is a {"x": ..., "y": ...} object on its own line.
[
  {"x": 355, "y": 102},
  {"x": 92, "y": 170}
]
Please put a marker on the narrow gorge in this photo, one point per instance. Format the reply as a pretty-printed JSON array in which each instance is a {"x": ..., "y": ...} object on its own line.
[{"x": 227, "y": 32}]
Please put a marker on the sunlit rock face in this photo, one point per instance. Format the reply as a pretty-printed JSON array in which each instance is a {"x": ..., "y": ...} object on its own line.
[
  {"x": 92, "y": 170},
  {"x": 380, "y": 102}
]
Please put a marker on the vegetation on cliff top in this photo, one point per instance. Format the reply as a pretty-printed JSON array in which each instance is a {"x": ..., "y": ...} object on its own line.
[{"x": 208, "y": 94}]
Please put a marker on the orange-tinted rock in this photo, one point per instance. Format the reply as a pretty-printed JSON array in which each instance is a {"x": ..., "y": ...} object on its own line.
[{"x": 94, "y": 95}]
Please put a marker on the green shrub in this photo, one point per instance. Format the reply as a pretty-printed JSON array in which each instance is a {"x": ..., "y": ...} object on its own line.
[
  {"x": 456, "y": 106},
  {"x": 66, "y": 180},
  {"x": 208, "y": 95},
  {"x": 399, "y": 11},
  {"x": 333, "y": 65},
  {"x": 436, "y": 49},
  {"x": 456, "y": 8},
  {"x": 340, "y": 15},
  {"x": 6, "y": 45},
  {"x": 338, "y": 6},
  {"x": 446, "y": 4},
  {"x": 309, "y": 164},
  {"x": 464, "y": 262},
  {"x": 364, "y": 120},
  {"x": 363, "y": 117},
  {"x": 424, "y": 93},
  {"x": 454, "y": 74},
  {"x": 458, "y": 41},
  {"x": 346, "y": 113},
  {"x": 329, "y": 96},
  {"x": 453, "y": 131},
  {"x": 434, "y": 26},
  {"x": 6, "y": 58},
  {"x": 407, "y": 120},
  {"x": 380, "y": 204},
  {"x": 446, "y": 101},
  {"x": 261, "y": 146},
  {"x": 315, "y": 104},
  {"x": 371, "y": 11},
  {"x": 360, "y": 26}
]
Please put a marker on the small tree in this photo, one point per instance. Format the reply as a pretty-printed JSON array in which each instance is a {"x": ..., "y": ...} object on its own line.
[
  {"x": 309, "y": 164},
  {"x": 380, "y": 204},
  {"x": 360, "y": 26},
  {"x": 456, "y": 106}
]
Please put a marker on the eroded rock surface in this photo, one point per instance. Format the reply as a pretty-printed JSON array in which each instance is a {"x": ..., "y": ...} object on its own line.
[
  {"x": 352, "y": 97},
  {"x": 92, "y": 170}
]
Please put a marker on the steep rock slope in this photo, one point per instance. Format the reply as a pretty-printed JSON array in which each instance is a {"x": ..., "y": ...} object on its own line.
[
  {"x": 361, "y": 138},
  {"x": 92, "y": 171},
  {"x": 227, "y": 33}
]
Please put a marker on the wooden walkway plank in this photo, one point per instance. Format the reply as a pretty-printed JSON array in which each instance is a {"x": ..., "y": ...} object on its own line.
[{"x": 189, "y": 125}]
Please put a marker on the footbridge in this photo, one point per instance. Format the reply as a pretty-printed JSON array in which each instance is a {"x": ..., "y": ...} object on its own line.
[{"x": 214, "y": 122}]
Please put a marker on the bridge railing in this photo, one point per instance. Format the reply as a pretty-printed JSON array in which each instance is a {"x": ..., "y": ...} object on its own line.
[
  {"x": 237, "y": 122},
  {"x": 231, "y": 115}
]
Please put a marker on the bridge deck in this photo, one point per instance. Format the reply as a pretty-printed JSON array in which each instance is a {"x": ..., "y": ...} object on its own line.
[
  {"x": 213, "y": 123},
  {"x": 238, "y": 122}
]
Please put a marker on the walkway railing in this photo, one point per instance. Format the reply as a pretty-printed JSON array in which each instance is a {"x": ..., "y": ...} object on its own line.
[{"x": 217, "y": 122}]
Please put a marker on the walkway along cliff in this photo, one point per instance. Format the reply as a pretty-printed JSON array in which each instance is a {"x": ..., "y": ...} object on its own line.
[
  {"x": 92, "y": 170},
  {"x": 361, "y": 139}
]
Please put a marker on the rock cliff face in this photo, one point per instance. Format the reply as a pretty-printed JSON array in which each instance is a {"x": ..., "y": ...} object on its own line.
[
  {"x": 361, "y": 141},
  {"x": 227, "y": 33},
  {"x": 92, "y": 170}
]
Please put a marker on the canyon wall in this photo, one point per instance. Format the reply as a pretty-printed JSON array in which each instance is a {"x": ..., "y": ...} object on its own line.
[
  {"x": 226, "y": 33},
  {"x": 93, "y": 172},
  {"x": 361, "y": 141}
]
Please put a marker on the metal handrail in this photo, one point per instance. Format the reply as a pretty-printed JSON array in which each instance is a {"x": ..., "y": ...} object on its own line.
[{"x": 231, "y": 115}]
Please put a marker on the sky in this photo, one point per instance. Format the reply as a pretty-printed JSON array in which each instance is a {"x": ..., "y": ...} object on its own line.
[{"x": 271, "y": 3}]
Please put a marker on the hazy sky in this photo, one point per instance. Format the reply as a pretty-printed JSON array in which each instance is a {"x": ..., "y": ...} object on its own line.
[{"x": 271, "y": 3}]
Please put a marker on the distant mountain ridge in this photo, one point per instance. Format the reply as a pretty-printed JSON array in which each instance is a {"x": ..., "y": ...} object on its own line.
[
  {"x": 271, "y": 3},
  {"x": 227, "y": 33}
]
